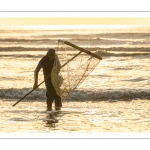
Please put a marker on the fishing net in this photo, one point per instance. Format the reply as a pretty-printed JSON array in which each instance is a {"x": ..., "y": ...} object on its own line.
[{"x": 76, "y": 64}]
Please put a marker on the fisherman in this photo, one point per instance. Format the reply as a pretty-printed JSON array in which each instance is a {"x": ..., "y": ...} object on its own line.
[{"x": 47, "y": 64}]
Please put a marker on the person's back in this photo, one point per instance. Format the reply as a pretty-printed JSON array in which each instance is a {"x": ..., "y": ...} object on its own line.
[{"x": 47, "y": 64}]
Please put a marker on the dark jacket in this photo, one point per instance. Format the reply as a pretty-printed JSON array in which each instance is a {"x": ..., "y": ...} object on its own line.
[{"x": 47, "y": 65}]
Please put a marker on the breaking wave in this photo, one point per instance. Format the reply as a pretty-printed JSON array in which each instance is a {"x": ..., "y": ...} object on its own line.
[
  {"x": 104, "y": 52},
  {"x": 101, "y": 94}
]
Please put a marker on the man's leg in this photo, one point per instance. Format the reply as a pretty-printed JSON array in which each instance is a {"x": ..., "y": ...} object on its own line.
[
  {"x": 52, "y": 95},
  {"x": 49, "y": 101},
  {"x": 58, "y": 103},
  {"x": 49, "y": 94}
]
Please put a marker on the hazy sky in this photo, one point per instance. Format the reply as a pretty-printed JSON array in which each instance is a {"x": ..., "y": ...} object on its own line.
[{"x": 74, "y": 21}]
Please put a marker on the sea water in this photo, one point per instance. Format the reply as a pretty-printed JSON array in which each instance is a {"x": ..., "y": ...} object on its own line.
[{"x": 114, "y": 97}]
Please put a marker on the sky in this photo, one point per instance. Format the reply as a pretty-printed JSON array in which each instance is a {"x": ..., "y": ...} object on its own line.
[
  {"x": 66, "y": 22},
  {"x": 74, "y": 21},
  {"x": 70, "y": 18}
]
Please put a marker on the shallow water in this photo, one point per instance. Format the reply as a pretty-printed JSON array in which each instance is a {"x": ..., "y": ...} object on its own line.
[
  {"x": 114, "y": 98},
  {"x": 76, "y": 116}
]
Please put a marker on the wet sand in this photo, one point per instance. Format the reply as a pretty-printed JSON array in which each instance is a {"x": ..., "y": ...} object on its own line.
[{"x": 76, "y": 117}]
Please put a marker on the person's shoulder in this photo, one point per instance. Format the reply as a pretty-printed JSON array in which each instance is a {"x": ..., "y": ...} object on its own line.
[{"x": 43, "y": 58}]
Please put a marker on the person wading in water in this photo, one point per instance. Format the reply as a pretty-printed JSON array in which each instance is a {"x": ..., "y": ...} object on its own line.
[{"x": 47, "y": 64}]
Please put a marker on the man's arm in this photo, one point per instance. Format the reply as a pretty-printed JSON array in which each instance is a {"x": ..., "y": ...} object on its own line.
[{"x": 36, "y": 72}]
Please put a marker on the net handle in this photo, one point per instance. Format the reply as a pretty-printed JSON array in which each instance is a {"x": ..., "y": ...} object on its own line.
[{"x": 80, "y": 49}]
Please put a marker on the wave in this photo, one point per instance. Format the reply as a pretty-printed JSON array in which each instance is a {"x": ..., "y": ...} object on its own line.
[
  {"x": 48, "y": 33},
  {"x": 81, "y": 38},
  {"x": 24, "y": 39},
  {"x": 20, "y": 48},
  {"x": 46, "y": 37},
  {"x": 103, "y": 52},
  {"x": 19, "y": 93},
  {"x": 90, "y": 48},
  {"x": 101, "y": 94},
  {"x": 111, "y": 94}
]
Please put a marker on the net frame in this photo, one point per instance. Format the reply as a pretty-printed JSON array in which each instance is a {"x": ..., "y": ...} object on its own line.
[{"x": 74, "y": 71}]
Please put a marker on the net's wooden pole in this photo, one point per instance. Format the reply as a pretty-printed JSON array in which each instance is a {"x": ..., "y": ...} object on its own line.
[{"x": 82, "y": 50}]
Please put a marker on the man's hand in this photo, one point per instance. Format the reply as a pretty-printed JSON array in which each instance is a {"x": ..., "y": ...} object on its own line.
[{"x": 35, "y": 85}]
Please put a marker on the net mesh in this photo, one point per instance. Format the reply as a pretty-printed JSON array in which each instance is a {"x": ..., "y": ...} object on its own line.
[{"x": 75, "y": 67}]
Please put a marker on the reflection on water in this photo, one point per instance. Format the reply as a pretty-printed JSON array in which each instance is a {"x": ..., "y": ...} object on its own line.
[
  {"x": 52, "y": 119},
  {"x": 76, "y": 116}
]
